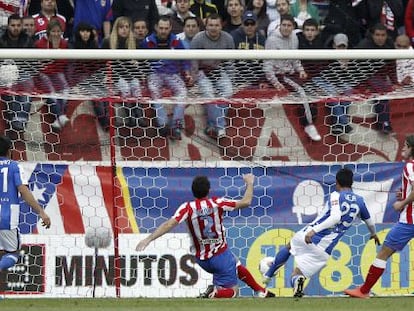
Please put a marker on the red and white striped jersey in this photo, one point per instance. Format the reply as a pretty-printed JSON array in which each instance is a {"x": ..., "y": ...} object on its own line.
[
  {"x": 205, "y": 224},
  {"x": 406, "y": 215}
]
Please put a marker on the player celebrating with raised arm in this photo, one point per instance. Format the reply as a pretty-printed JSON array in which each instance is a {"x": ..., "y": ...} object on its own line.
[
  {"x": 13, "y": 182},
  {"x": 204, "y": 217},
  {"x": 402, "y": 232},
  {"x": 313, "y": 245}
]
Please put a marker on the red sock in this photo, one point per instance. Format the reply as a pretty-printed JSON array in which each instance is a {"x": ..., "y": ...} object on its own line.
[
  {"x": 225, "y": 293},
  {"x": 373, "y": 275},
  {"x": 247, "y": 277}
]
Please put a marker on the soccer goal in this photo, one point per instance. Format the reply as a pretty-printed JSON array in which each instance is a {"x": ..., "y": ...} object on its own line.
[{"x": 111, "y": 145}]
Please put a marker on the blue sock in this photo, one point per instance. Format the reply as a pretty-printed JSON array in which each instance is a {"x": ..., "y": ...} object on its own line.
[
  {"x": 7, "y": 261},
  {"x": 281, "y": 257}
]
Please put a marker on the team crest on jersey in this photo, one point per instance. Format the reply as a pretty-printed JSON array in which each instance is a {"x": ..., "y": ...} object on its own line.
[{"x": 103, "y": 3}]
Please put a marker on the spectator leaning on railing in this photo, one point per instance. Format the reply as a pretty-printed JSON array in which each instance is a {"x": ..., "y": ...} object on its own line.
[
  {"x": 384, "y": 78},
  {"x": 125, "y": 79},
  {"x": 213, "y": 75},
  {"x": 52, "y": 76},
  {"x": 167, "y": 73},
  {"x": 247, "y": 37},
  {"x": 288, "y": 75}
]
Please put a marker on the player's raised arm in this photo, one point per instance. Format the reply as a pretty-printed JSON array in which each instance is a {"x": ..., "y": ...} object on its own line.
[{"x": 248, "y": 193}]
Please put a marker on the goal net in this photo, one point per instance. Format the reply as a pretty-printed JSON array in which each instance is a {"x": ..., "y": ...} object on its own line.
[{"x": 111, "y": 145}]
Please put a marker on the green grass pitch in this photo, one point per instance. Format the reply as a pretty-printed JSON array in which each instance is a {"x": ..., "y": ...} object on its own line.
[{"x": 181, "y": 304}]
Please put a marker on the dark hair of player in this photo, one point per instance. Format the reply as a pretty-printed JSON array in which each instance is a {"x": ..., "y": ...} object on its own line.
[
  {"x": 410, "y": 143},
  {"x": 5, "y": 145},
  {"x": 345, "y": 177},
  {"x": 200, "y": 187}
]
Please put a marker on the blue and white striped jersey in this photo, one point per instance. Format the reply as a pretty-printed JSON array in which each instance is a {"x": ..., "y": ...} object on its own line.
[
  {"x": 338, "y": 215},
  {"x": 11, "y": 176}
]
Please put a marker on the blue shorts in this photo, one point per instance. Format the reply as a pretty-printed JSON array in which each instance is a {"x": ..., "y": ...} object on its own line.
[
  {"x": 223, "y": 268},
  {"x": 399, "y": 235}
]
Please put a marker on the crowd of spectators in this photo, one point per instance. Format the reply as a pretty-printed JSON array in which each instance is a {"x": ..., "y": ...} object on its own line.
[{"x": 215, "y": 24}]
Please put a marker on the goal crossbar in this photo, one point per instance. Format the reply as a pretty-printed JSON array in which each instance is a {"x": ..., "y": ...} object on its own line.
[{"x": 203, "y": 54}]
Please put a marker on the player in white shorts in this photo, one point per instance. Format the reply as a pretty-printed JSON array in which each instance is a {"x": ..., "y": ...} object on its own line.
[
  {"x": 313, "y": 245},
  {"x": 309, "y": 258}
]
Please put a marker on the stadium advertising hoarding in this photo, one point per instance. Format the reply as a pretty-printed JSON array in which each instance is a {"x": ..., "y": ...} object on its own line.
[
  {"x": 68, "y": 268},
  {"x": 166, "y": 269},
  {"x": 285, "y": 199}
]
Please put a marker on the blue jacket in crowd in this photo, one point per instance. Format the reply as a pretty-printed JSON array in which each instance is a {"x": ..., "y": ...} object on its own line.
[{"x": 166, "y": 66}]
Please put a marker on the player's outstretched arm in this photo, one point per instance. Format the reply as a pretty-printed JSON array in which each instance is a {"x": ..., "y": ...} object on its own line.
[
  {"x": 331, "y": 221},
  {"x": 29, "y": 199},
  {"x": 371, "y": 227},
  {"x": 161, "y": 230},
  {"x": 248, "y": 193}
]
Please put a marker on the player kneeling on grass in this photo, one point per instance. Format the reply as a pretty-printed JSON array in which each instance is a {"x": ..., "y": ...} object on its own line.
[
  {"x": 244, "y": 275},
  {"x": 204, "y": 217},
  {"x": 313, "y": 245},
  {"x": 14, "y": 182}
]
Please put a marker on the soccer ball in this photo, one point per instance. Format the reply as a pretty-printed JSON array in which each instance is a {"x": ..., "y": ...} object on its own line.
[
  {"x": 9, "y": 72},
  {"x": 98, "y": 237},
  {"x": 265, "y": 264}
]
